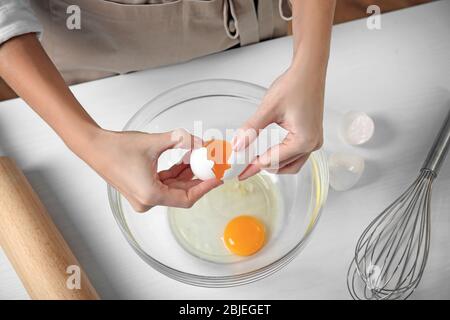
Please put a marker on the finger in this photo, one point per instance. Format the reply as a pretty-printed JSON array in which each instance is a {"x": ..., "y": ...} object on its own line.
[
  {"x": 250, "y": 171},
  {"x": 252, "y": 127},
  {"x": 294, "y": 167},
  {"x": 186, "y": 174},
  {"x": 177, "y": 172},
  {"x": 279, "y": 153},
  {"x": 173, "y": 171},
  {"x": 185, "y": 185},
  {"x": 178, "y": 138},
  {"x": 290, "y": 160},
  {"x": 181, "y": 198},
  {"x": 183, "y": 176},
  {"x": 254, "y": 168}
]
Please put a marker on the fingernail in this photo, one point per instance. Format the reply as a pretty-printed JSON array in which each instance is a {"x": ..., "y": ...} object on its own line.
[
  {"x": 242, "y": 177},
  {"x": 245, "y": 174}
]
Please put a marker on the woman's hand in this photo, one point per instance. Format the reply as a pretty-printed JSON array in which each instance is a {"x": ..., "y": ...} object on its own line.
[
  {"x": 128, "y": 161},
  {"x": 295, "y": 102},
  {"x": 295, "y": 99}
]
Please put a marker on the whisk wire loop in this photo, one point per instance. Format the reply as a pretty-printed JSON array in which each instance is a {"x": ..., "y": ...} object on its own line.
[{"x": 391, "y": 254}]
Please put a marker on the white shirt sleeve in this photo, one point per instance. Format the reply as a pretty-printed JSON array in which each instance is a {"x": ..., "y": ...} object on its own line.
[{"x": 17, "y": 18}]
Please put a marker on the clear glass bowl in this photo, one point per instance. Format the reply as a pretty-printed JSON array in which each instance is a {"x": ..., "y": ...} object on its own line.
[{"x": 219, "y": 105}]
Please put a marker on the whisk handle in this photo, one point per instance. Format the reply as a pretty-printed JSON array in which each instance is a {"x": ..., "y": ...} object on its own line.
[{"x": 440, "y": 148}]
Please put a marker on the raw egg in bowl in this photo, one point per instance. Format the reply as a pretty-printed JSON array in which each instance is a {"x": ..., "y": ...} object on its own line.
[{"x": 241, "y": 231}]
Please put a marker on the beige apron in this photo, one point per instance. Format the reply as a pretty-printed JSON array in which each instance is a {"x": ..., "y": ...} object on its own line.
[{"x": 129, "y": 35}]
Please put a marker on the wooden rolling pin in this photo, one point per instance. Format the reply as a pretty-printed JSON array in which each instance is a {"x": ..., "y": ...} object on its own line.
[{"x": 38, "y": 252}]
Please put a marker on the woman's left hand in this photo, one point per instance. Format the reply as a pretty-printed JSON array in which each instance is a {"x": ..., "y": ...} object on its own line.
[{"x": 295, "y": 102}]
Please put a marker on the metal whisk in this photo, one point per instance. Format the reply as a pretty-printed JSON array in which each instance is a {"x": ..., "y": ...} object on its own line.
[{"x": 392, "y": 252}]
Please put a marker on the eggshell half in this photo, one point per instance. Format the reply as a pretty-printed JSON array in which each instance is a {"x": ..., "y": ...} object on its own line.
[
  {"x": 238, "y": 165},
  {"x": 200, "y": 165}
]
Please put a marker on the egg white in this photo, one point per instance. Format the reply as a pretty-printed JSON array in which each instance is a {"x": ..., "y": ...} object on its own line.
[{"x": 199, "y": 230}]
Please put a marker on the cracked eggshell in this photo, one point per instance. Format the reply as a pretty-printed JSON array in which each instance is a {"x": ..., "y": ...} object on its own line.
[
  {"x": 202, "y": 167},
  {"x": 236, "y": 167},
  {"x": 356, "y": 128},
  {"x": 200, "y": 164},
  {"x": 345, "y": 170},
  {"x": 239, "y": 160}
]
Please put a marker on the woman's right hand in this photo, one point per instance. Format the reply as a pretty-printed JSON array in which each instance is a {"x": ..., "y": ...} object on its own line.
[{"x": 128, "y": 161}]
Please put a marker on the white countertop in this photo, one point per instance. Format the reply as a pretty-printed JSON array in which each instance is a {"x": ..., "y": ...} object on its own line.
[{"x": 400, "y": 75}]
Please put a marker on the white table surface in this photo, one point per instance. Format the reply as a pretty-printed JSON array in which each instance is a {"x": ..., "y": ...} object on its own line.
[{"x": 400, "y": 75}]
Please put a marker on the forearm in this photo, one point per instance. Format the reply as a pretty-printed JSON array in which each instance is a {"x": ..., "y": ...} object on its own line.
[
  {"x": 311, "y": 26},
  {"x": 28, "y": 70}
]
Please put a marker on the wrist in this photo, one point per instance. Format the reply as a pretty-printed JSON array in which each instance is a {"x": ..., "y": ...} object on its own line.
[
  {"x": 308, "y": 75},
  {"x": 310, "y": 61},
  {"x": 81, "y": 139}
]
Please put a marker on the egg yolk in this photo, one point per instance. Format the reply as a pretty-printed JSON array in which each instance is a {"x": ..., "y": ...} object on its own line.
[
  {"x": 219, "y": 151},
  {"x": 244, "y": 235}
]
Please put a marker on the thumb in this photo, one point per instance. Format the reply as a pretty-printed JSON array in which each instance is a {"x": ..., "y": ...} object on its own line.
[
  {"x": 251, "y": 129},
  {"x": 177, "y": 139}
]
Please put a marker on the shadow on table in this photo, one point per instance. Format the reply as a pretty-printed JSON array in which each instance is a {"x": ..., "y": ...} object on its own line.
[
  {"x": 384, "y": 132},
  {"x": 39, "y": 179},
  {"x": 371, "y": 174}
]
